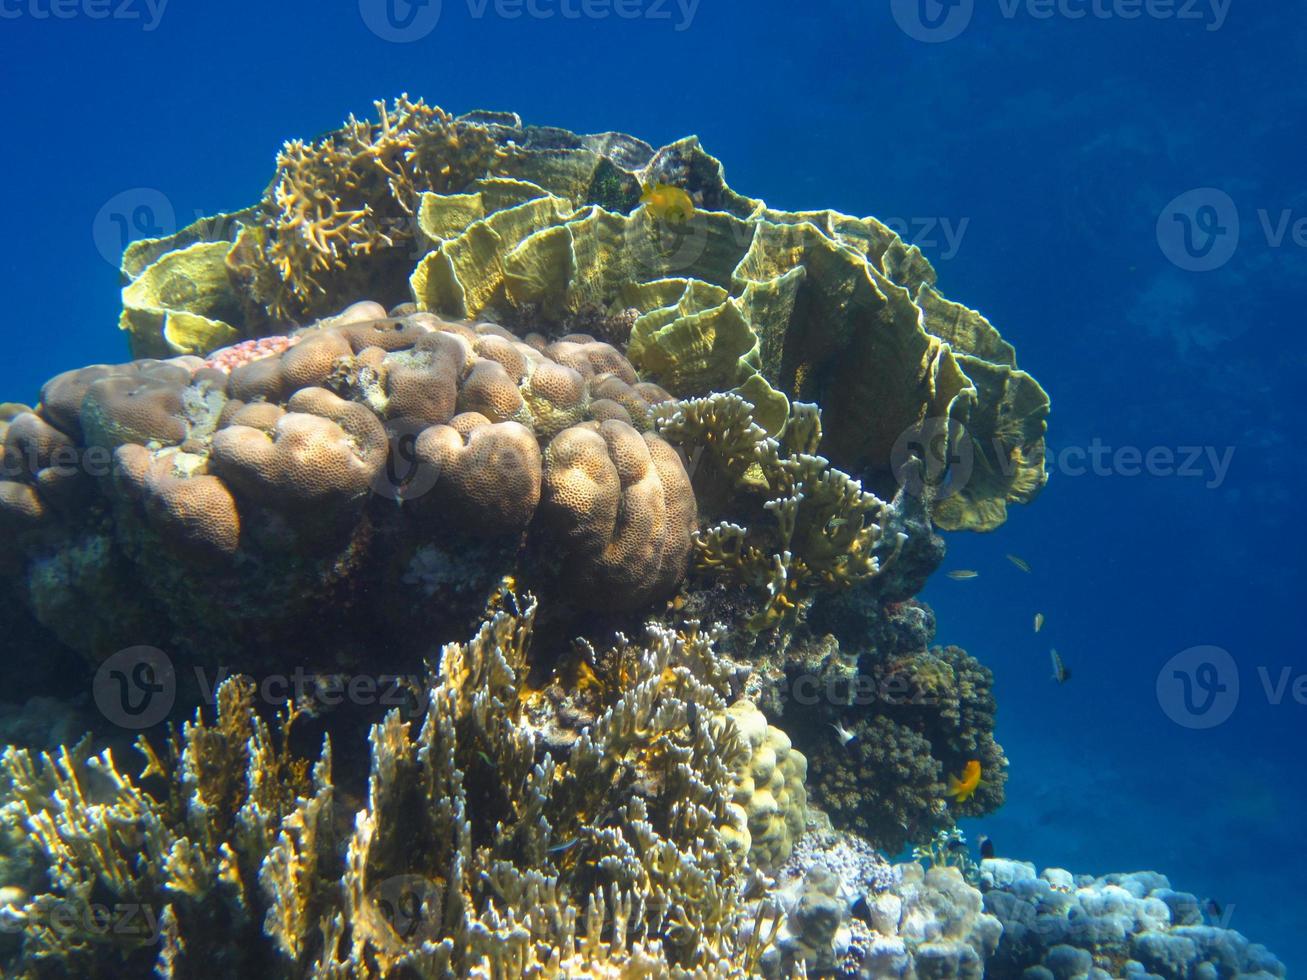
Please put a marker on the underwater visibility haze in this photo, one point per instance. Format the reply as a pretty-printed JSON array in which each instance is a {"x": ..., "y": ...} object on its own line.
[{"x": 652, "y": 488}]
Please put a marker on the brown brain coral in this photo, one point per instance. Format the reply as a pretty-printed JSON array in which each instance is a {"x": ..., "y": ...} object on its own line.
[
  {"x": 312, "y": 441},
  {"x": 488, "y": 478},
  {"x": 192, "y": 511},
  {"x": 623, "y": 503}
]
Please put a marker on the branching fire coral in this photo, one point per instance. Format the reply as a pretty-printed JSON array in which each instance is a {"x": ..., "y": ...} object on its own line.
[
  {"x": 351, "y": 193},
  {"x": 478, "y": 853}
]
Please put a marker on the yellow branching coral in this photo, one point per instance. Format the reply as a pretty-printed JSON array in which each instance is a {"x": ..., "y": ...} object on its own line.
[
  {"x": 184, "y": 860},
  {"x": 351, "y": 193},
  {"x": 478, "y": 852},
  {"x": 824, "y": 531}
]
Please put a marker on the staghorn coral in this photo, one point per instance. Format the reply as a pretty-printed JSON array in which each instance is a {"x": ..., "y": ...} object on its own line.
[
  {"x": 477, "y": 852},
  {"x": 350, "y": 194}
]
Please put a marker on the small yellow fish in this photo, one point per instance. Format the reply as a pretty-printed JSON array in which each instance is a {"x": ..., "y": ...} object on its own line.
[
  {"x": 1021, "y": 563},
  {"x": 964, "y": 787},
  {"x": 667, "y": 202},
  {"x": 1039, "y": 622},
  {"x": 963, "y": 573}
]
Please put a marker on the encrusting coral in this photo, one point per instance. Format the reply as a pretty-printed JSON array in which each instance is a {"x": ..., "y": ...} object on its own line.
[{"x": 1132, "y": 925}]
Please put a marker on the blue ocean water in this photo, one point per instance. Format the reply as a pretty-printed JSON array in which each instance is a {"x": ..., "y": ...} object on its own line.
[{"x": 1117, "y": 184}]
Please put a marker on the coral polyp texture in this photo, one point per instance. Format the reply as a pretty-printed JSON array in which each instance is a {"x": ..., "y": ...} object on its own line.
[{"x": 622, "y": 520}]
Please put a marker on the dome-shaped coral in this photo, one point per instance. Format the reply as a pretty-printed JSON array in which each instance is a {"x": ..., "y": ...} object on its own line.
[{"x": 768, "y": 791}]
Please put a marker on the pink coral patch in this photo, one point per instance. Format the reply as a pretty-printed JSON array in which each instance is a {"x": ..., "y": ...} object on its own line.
[{"x": 237, "y": 355}]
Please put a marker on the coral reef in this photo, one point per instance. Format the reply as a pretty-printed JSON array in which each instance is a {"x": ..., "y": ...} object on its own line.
[
  {"x": 481, "y": 217},
  {"x": 1056, "y": 924},
  {"x": 476, "y": 853},
  {"x": 717, "y": 450}
]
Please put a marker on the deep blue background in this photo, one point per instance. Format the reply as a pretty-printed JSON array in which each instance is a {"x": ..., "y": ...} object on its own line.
[{"x": 1058, "y": 141}]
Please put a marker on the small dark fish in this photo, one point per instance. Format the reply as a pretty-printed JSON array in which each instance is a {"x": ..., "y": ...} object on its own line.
[
  {"x": 1061, "y": 672},
  {"x": 957, "y": 845},
  {"x": 1214, "y": 911},
  {"x": 986, "y": 848}
]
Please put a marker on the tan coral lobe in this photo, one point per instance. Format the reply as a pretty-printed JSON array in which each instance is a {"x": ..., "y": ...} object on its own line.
[{"x": 623, "y": 503}]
